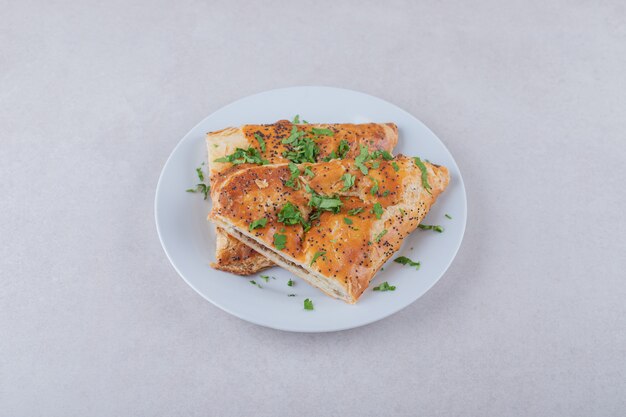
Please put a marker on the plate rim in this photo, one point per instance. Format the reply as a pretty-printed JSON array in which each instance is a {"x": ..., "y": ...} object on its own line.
[{"x": 367, "y": 322}]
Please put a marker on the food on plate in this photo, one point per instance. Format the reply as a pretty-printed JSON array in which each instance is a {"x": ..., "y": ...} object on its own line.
[
  {"x": 332, "y": 223},
  {"x": 233, "y": 149}
]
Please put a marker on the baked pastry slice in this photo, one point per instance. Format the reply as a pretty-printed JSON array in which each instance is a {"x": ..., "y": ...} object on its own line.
[
  {"x": 247, "y": 145},
  {"x": 334, "y": 227}
]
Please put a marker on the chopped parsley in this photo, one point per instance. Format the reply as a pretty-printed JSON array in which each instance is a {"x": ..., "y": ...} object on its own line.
[
  {"x": 348, "y": 181},
  {"x": 296, "y": 119},
  {"x": 375, "y": 165},
  {"x": 385, "y": 287},
  {"x": 434, "y": 227},
  {"x": 395, "y": 166},
  {"x": 261, "y": 141},
  {"x": 347, "y": 220},
  {"x": 360, "y": 160},
  {"x": 374, "y": 189},
  {"x": 321, "y": 202},
  {"x": 290, "y": 283},
  {"x": 377, "y": 210},
  {"x": 253, "y": 282},
  {"x": 290, "y": 215},
  {"x": 422, "y": 168},
  {"x": 294, "y": 135},
  {"x": 321, "y": 132},
  {"x": 200, "y": 174},
  {"x": 317, "y": 255},
  {"x": 406, "y": 261},
  {"x": 243, "y": 156},
  {"x": 343, "y": 149},
  {"x": 355, "y": 211},
  {"x": 308, "y": 172},
  {"x": 386, "y": 193},
  {"x": 380, "y": 235},
  {"x": 257, "y": 224},
  {"x": 448, "y": 216},
  {"x": 293, "y": 179},
  {"x": 265, "y": 277},
  {"x": 301, "y": 147},
  {"x": 386, "y": 155},
  {"x": 308, "y": 304},
  {"x": 280, "y": 241},
  {"x": 200, "y": 188}
]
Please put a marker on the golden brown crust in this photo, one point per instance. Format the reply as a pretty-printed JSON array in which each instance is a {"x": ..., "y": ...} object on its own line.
[
  {"x": 354, "y": 249},
  {"x": 233, "y": 256}
]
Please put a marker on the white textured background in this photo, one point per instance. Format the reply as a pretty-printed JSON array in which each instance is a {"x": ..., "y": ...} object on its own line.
[{"x": 530, "y": 97}]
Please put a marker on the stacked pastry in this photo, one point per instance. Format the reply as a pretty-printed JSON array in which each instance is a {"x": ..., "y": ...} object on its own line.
[{"x": 328, "y": 202}]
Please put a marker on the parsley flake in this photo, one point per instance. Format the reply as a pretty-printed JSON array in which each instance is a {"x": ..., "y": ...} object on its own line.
[
  {"x": 448, "y": 216},
  {"x": 347, "y": 220},
  {"x": 308, "y": 304},
  {"x": 243, "y": 156},
  {"x": 317, "y": 255},
  {"x": 261, "y": 141},
  {"x": 434, "y": 227},
  {"x": 377, "y": 210},
  {"x": 348, "y": 181},
  {"x": 395, "y": 166},
  {"x": 257, "y": 224},
  {"x": 280, "y": 241},
  {"x": 406, "y": 261},
  {"x": 290, "y": 283},
  {"x": 380, "y": 235},
  {"x": 422, "y": 168},
  {"x": 385, "y": 287},
  {"x": 355, "y": 211}
]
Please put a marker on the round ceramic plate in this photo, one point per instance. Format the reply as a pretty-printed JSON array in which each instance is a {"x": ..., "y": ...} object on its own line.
[{"x": 189, "y": 239}]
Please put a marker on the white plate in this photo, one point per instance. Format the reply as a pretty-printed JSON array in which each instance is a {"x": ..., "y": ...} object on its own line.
[{"x": 189, "y": 240}]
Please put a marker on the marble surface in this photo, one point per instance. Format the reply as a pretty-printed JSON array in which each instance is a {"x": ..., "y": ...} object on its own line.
[{"x": 530, "y": 98}]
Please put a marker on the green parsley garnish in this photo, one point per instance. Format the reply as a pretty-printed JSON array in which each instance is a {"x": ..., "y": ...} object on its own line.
[
  {"x": 402, "y": 211},
  {"x": 448, "y": 216},
  {"x": 360, "y": 160},
  {"x": 330, "y": 157},
  {"x": 265, "y": 277},
  {"x": 319, "y": 131},
  {"x": 343, "y": 149},
  {"x": 355, "y": 211},
  {"x": 290, "y": 283},
  {"x": 386, "y": 193},
  {"x": 377, "y": 210},
  {"x": 422, "y": 168},
  {"x": 406, "y": 261},
  {"x": 386, "y": 155},
  {"x": 380, "y": 235},
  {"x": 317, "y": 255},
  {"x": 296, "y": 119},
  {"x": 253, "y": 282},
  {"x": 308, "y": 172},
  {"x": 347, "y": 220},
  {"x": 374, "y": 189},
  {"x": 348, "y": 181},
  {"x": 290, "y": 215},
  {"x": 395, "y": 166},
  {"x": 321, "y": 202},
  {"x": 385, "y": 287},
  {"x": 434, "y": 227},
  {"x": 200, "y": 174},
  {"x": 261, "y": 141},
  {"x": 375, "y": 165},
  {"x": 302, "y": 148},
  {"x": 257, "y": 224},
  {"x": 280, "y": 241},
  {"x": 308, "y": 304},
  {"x": 243, "y": 156},
  {"x": 202, "y": 188},
  {"x": 293, "y": 179},
  {"x": 294, "y": 135}
]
